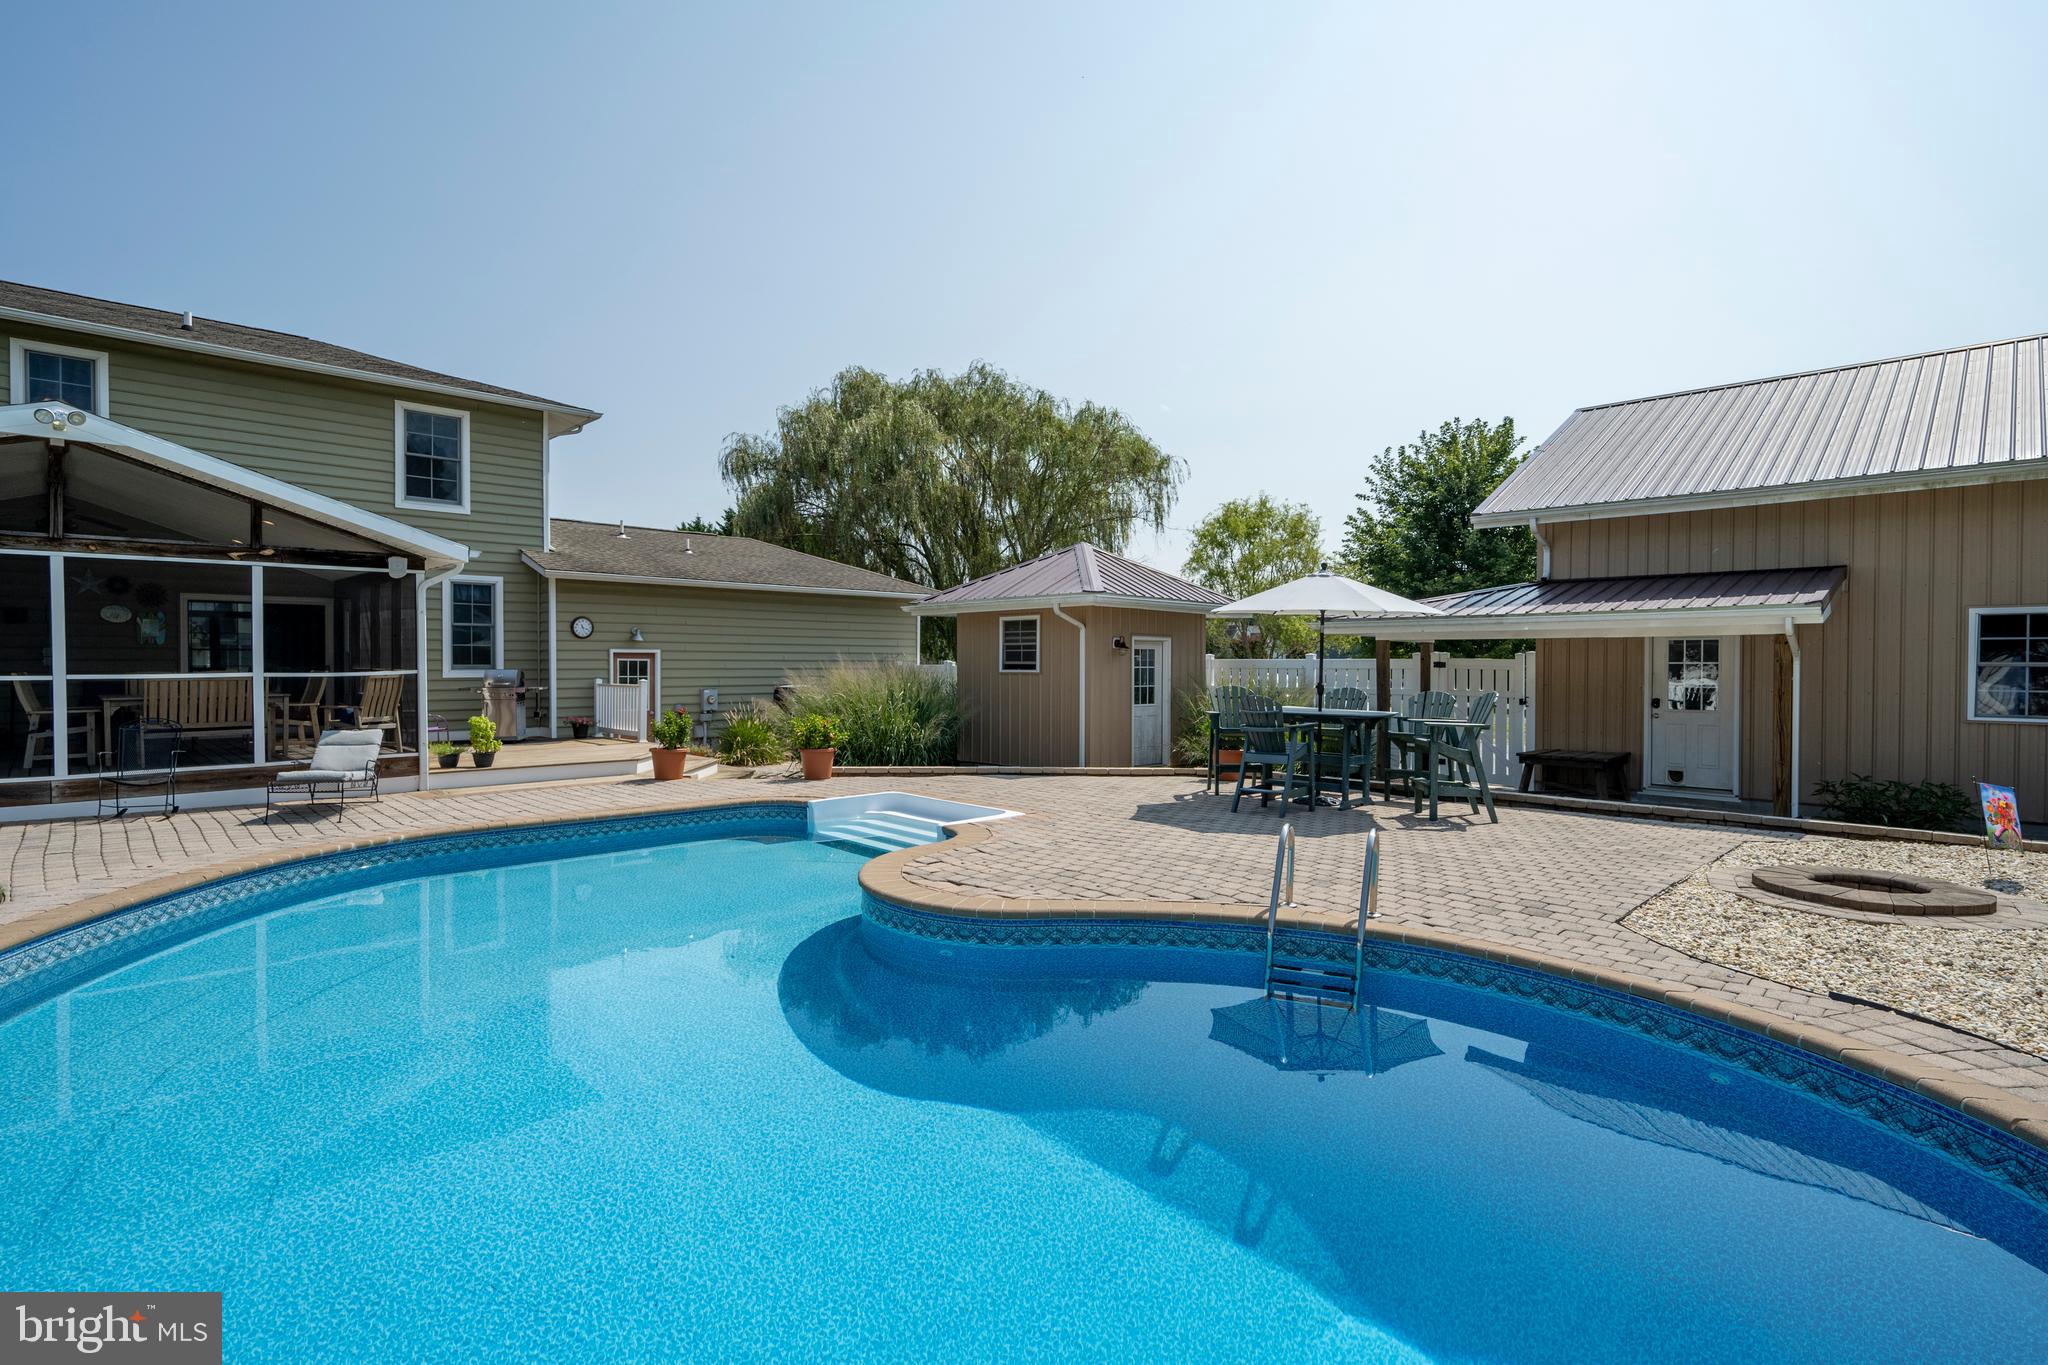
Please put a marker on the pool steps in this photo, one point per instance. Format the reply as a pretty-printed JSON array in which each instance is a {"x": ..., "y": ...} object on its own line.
[
  {"x": 1324, "y": 981},
  {"x": 888, "y": 821}
]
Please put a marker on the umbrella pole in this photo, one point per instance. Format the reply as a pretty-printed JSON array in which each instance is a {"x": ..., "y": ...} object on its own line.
[{"x": 1322, "y": 654}]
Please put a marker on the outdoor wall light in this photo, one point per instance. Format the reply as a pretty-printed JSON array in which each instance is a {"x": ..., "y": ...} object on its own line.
[
  {"x": 395, "y": 565},
  {"x": 58, "y": 419},
  {"x": 635, "y": 636},
  {"x": 1118, "y": 643}
]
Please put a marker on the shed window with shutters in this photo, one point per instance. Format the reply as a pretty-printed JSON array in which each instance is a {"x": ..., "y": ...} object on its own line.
[
  {"x": 1020, "y": 644},
  {"x": 2009, "y": 664}
]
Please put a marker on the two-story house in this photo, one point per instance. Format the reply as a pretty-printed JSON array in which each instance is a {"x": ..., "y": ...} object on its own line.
[
  {"x": 1755, "y": 587},
  {"x": 256, "y": 535}
]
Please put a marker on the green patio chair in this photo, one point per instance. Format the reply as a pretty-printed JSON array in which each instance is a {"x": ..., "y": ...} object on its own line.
[
  {"x": 1229, "y": 702},
  {"x": 1334, "y": 760},
  {"x": 1407, "y": 740},
  {"x": 1275, "y": 746},
  {"x": 1458, "y": 770}
]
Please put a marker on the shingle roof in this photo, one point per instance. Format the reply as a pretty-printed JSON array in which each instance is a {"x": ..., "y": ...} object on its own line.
[
  {"x": 1080, "y": 571},
  {"x": 1766, "y": 589},
  {"x": 257, "y": 343},
  {"x": 595, "y": 549},
  {"x": 1961, "y": 415}
]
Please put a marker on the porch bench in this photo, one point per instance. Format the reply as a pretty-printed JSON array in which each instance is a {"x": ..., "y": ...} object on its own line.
[
  {"x": 200, "y": 705},
  {"x": 1607, "y": 771}
]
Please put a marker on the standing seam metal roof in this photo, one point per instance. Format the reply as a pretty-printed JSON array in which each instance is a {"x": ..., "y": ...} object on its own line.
[
  {"x": 1978, "y": 409},
  {"x": 1080, "y": 570},
  {"x": 1753, "y": 588}
]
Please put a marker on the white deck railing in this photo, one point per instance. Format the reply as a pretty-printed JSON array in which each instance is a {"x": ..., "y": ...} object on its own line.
[{"x": 621, "y": 709}]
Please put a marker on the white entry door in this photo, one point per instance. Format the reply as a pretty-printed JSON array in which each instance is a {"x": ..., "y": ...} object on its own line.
[
  {"x": 1692, "y": 714},
  {"x": 1151, "y": 667}
]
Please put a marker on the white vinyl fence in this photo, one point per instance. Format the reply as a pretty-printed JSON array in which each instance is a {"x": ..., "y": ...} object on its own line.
[
  {"x": 944, "y": 668},
  {"x": 1514, "y": 718},
  {"x": 621, "y": 709}
]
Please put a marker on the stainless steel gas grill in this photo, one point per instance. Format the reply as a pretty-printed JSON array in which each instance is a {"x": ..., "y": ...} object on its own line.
[{"x": 505, "y": 698}]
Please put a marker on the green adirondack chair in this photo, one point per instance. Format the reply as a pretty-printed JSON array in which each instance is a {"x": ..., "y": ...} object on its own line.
[
  {"x": 1230, "y": 702},
  {"x": 1334, "y": 760},
  {"x": 1277, "y": 748},
  {"x": 1458, "y": 769},
  {"x": 1407, "y": 742}
]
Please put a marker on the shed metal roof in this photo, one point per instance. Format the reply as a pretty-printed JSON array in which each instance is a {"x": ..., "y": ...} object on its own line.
[
  {"x": 1079, "y": 572},
  {"x": 596, "y": 550},
  {"x": 1756, "y": 601},
  {"x": 1955, "y": 416}
]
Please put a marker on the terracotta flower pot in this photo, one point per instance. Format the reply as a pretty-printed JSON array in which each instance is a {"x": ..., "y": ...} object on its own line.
[
  {"x": 817, "y": 764},
  {"x": 1227, "y": 763},
  {"x": 668, "y": 763}
]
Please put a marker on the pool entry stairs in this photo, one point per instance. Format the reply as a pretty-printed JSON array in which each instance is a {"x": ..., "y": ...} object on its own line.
[
  {"x": 1321, "y": 980},
  {"x": 883, "y": 830},
  {"x": 882, "y": 822}
]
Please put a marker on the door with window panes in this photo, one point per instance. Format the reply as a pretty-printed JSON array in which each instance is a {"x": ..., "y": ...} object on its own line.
[
  {"x": 1149, "y": 701},
  {"x": 633, "y": 666},
  {"x": 1692, "y": 723}
]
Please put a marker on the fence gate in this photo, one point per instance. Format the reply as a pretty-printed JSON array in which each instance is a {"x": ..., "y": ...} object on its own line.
[{"x": 1514, "y": 719}]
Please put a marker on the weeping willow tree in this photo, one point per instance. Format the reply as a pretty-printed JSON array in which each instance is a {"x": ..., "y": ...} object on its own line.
[{"x": 942, "y": 478}]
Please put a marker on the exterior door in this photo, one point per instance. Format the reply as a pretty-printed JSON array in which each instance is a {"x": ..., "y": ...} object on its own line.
[
  {"x": 1151, "y": 667},
  {"x": 1692, "y": 714},
  {"x": 632, "y": 666}
]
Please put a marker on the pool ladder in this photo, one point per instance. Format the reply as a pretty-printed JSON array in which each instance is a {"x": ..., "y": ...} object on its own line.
[{"x": 1326, "y": 982}]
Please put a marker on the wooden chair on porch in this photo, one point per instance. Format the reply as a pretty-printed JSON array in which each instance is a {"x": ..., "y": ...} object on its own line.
[
  {"x": 299, "y": 718},
  {"x": 383, "y": 697},
  {"x": 43, "y": 732}
]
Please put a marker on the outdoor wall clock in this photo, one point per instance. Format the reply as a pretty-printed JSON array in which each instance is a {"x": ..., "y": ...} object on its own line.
[{"x": 580, "y": 627}]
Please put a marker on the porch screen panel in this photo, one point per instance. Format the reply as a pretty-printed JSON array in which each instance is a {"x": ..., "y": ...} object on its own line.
[
  {"x": 29, "y": 725},
  {"x": 340, "y": 650}
]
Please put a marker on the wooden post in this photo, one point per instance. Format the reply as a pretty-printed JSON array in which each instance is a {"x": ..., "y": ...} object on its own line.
[
  {"x": 1781, "y": 709},
  {"x": 53, "y": 484},
  {"x": 1425, "y": 662},
  {"x": 1383, "y": 700}
]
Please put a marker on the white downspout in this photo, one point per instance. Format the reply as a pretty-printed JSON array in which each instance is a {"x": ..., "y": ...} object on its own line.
[
  {"x": 554, "y": 691},
  {"x": 1792, "y": 639},
  {"x": 1059, "y": 611},
  {"x": 1542, "y": 549}
]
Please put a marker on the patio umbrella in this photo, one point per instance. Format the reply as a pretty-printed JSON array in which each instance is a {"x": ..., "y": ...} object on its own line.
[
  {"x": 1301, "y": 1035},
  {"x": 1322, "y": 595}
]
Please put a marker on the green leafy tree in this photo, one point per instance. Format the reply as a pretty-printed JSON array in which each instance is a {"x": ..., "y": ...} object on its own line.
[
  {"x": 1412, "y": 530},
  {"x": 943, "y": 478},
  {"x": 703, "y": 526},
  {"x": 1248, "y": 545}
]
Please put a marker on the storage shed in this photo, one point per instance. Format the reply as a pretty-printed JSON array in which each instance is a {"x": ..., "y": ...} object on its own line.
[{"x": 1078, "y": 657}]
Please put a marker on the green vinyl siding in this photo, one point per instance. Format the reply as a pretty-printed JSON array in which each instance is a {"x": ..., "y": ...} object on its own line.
[
  {"x": 745, "y": 644},
  {"x": 337, "y": 437}
]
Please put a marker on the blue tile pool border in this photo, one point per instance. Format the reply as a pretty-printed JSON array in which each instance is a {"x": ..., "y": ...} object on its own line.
[
  {"x": 47, "y": 966},
  {"x": 2004, "y": 1157}
]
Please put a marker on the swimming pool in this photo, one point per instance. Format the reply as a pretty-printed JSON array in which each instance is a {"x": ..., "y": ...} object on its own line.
[{"x": 658, "y": 1088}]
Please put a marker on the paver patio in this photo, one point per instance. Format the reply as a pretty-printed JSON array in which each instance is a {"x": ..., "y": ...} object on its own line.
[{"x": 1556, "y": 882}]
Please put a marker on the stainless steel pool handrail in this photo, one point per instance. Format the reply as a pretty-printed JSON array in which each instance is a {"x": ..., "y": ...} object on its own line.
[
  {"x": 1368, "y": 902},
  {"x": 1283, "y": 878}
]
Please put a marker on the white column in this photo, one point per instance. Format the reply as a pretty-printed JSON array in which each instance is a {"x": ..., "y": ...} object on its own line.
[
  {"x": 262, "y": 689},
  {"x": 60, "y": 684},
  {"x": 419, "y": 623}
]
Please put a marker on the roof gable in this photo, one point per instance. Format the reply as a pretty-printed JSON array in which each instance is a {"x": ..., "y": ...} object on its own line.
[
  {"x": 1958, "y": 416},
  {"x": 1078, "y": 572}
]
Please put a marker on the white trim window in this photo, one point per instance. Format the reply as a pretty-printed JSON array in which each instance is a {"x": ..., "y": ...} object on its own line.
[
  {"x": 431, "y": 446},
  {"x": 2009, "y": 664},
  {"x": 1017, "y": 641},
  {"x": 44, "y": 372},
  {"x": 472, "y": 626}
]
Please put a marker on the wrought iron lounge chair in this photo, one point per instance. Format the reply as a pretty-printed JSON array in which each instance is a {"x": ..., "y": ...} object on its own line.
[
  {"x": 143, "y": 765},
  {"x": 343, "y": 761}
]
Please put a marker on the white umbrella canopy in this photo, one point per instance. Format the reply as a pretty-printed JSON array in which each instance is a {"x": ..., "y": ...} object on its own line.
[{"x": 1322, "y": 595}]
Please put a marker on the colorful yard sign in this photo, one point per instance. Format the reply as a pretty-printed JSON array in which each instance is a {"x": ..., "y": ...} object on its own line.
[{"x": 2001, "y": 815}]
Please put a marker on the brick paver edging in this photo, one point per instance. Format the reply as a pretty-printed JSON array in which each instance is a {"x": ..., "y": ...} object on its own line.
[{"x": 882, "y": 878}]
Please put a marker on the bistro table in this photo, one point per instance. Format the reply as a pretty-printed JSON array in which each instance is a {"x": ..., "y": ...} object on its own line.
[{"x": 1358, "y": 727}]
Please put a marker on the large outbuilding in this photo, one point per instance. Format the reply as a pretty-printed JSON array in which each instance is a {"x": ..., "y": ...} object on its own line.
[{"x": 1078, "y": 657}]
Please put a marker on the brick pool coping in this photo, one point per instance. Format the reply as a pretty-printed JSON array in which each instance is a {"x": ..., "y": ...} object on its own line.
[{"x": 884, "y": 878}]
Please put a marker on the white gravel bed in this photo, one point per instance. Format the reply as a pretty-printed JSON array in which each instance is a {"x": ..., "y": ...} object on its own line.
[{"x": 1989, "y": 980}]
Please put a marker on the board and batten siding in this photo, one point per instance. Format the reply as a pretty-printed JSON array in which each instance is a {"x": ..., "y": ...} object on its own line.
[
  {"x": 336, "y": 437},
  {"x": 1885, "y": 683},
  {"x": 1033, "y": 719},
  {"x": 745, "y": 644}
]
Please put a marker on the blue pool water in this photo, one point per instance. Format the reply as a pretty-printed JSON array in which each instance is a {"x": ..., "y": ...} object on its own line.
[{"x": 680, "y": 1100}]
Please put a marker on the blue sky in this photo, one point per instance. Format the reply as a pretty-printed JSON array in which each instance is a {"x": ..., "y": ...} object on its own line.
[{"x": 1279, "y": 237}]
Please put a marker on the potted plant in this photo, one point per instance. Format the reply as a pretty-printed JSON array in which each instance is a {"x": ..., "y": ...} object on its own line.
[
  {"x": 671, "y": 739},
  {"x": 445, "y": 754},
  {"x": 483, "y": 741},
  {"x": 815, "y": 738},
  {"x": 579, "y": 726}
]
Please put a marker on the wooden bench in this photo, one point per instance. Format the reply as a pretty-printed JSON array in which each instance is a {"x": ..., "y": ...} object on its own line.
[
  {"x": 200, "y": 705},
  {"x": 1608, "y": 771}
]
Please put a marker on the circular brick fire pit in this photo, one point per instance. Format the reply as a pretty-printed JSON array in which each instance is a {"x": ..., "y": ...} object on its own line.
[{"x": 1879, "y": 893}]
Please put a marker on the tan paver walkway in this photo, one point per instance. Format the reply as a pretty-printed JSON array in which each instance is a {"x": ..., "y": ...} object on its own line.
[{"x": 1551, "y": 881}]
